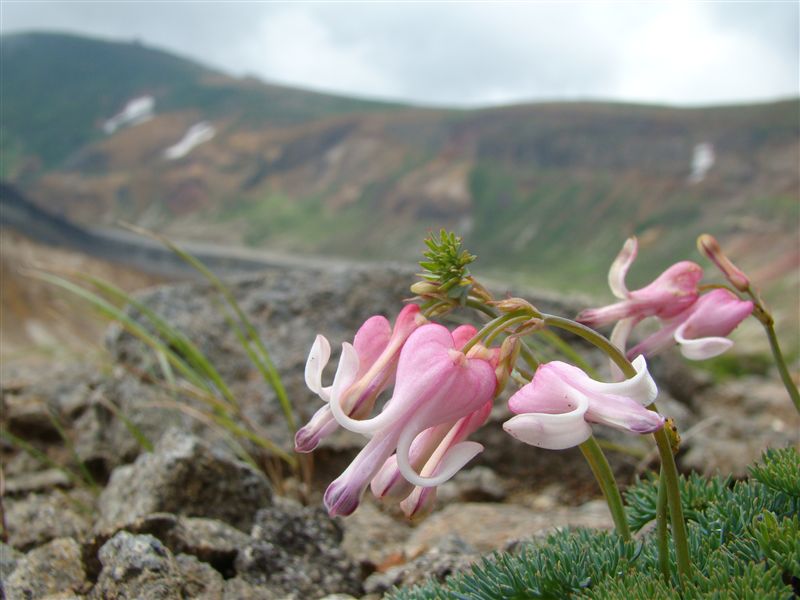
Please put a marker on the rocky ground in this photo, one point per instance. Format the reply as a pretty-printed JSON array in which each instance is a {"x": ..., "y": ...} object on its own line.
[{"x": 191, "y": 520}]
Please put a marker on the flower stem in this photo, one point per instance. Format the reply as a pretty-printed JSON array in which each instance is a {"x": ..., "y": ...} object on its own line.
[
  {"x": 669, "y": 469},
  {"x": 780, "y": 362},
  {"x": 493, "y": 327},
  {"x": 591, "y": 336},
  {"x": 662, "y": 535},
  {"x": 605, "y": 478},
  {"x": 669, "y": 474}
]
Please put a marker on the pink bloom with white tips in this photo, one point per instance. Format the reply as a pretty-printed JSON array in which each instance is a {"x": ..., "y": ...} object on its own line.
[
  {"x": 555, "y": 409},
  {"x": 426, "y": 454},
  {"x": 378, "y": 347},
  {"x": 699, "y": 330},
  {"x": 668, "y": 295},
  {"x": 435, "y": 384}
]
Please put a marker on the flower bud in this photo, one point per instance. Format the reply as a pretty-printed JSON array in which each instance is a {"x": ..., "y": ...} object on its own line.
[
  {"x": 424, "y": 288},
  {"x": 508, "y": 305},
  {"x": 509, "y": 352},
  {"x": 530, "y": 326},
  {"x": 709, "y": 246}
]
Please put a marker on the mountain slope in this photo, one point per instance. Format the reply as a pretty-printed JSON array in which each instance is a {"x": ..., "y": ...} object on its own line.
[{"x": 544, "y": 193}]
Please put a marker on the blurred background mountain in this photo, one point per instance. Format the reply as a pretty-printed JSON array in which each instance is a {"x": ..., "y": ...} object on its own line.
[{"x": 96, "y": 132}]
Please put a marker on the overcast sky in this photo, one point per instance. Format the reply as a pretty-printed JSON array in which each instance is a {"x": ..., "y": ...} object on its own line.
[{"x": 466, "y": 54}]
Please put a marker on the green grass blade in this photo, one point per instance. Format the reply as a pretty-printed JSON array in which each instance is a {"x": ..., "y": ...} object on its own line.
[
  {"x": 132, "y": 428},
  {"x": 40, "y": 456},
  {"x": 272, "y": 376},
  {"x": 84, "y": 470},
  {"x": 112, "y": 312},
  {"x": 172, "y": 335}
]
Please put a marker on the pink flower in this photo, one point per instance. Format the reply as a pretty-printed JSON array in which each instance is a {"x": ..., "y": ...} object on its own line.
[
  {"x": 669, "y": 294},
  {"x": 555, "y": 409},
  {"x": 426, "y": 454},
  {"x": 436, "y": 384},
  {"x": 378, "y": 348},
  {"x": 699, "y": 330}
]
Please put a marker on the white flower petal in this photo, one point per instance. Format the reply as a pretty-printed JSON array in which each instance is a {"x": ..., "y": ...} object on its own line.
[
  {"x": 701, "y": 348},
  {"x": 317, "y": 359},
  {"x": 552, "y": 431},
  {"x": 640, "y": 387},
  {"x": 620, "y": 266},
  {"x": 452, "y": 461}
]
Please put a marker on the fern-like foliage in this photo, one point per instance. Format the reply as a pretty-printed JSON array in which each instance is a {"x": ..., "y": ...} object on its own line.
[{"x": 744, "y": 541}]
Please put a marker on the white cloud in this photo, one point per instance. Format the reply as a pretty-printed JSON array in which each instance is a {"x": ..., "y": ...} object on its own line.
[{"x": 467, "y": 53}]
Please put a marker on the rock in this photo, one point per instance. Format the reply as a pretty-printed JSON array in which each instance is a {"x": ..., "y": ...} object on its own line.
[
  {"x": 104, "y": 441},
  {"x": 38, "y": 518},
  {"x": 37, "y": 481},
  {"x": 500, "y": 524},
  {"x": 184, "y": 476},
  {"x": 49, "y": 569},
  {"x": 200, "y": 580},
  {"x": 449, "y": 555},
  {"x": 296, "y": 552},
  {"x": 209, "y": 540},
  {"x": 8, "y": 560},
  {"x": 478, "y": 484},
  {"x": 373, "y": 538},
  {"x": 240, "y": 589},
  {"x": 137, "y": 566},
  {"x": 738, "y": 420}
]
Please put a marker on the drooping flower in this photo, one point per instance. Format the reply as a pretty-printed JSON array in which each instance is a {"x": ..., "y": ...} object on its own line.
[
  {"x": 699, "y": 330},
  {"x": 425, "y": 456},
  {"x": 435, "y": 384},
  {"x": 669, "y": 294},
  {"x": 378, "y": 347},
  {"x": 555, "y": 409}
]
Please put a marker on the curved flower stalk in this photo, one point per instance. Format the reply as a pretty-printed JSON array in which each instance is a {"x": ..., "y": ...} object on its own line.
[
  {"x": 667, "y": 296},
  {"x": 378, "y": 347},
  {"x": 436, "y": 384},
  {"x": 554, "y": 410},
  {"x": 700, "y": 330}
]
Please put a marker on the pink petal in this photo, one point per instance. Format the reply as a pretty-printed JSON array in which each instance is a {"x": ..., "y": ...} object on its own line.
[
  {"x": 549, "y": 391},
  {"x": 371, "y": 340},
  {"x": 321, "y": 425},
  {"x": 624, "y": 414},
  {"x": 344, "y": 494}
]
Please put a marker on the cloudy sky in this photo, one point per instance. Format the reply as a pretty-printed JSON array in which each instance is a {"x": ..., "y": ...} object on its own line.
[{"x": 466, "y": 54}]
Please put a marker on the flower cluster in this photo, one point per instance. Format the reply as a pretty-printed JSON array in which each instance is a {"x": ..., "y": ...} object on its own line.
[
  {"x": 440, "y": 395},
  {"x": 698, "y": 323},
  {"x": 443, "y": 392}
]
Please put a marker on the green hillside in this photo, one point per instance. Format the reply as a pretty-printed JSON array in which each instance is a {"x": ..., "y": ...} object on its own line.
[
  {"x": 58, "y": 88},
  {"x": 543, "y": 193}
]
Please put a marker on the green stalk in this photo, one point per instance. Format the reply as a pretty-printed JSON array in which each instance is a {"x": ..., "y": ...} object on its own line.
[
  {"x": 493, "y": 327},
  {"x": 669, "y": 469},
  {"x": 670, "y": 476},
  {"x": 662, "y": 536},
  {"x": 786, "y": 377},
  {"x": 605, "y": 478}
]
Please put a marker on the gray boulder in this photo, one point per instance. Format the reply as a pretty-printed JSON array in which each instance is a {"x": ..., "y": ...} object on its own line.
[
  {"x": 137, "y": 566},
  {"x": 296, "y": 553},
  {"x": 185, "y": 476},
  {"x": 49, "y": 569}
]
